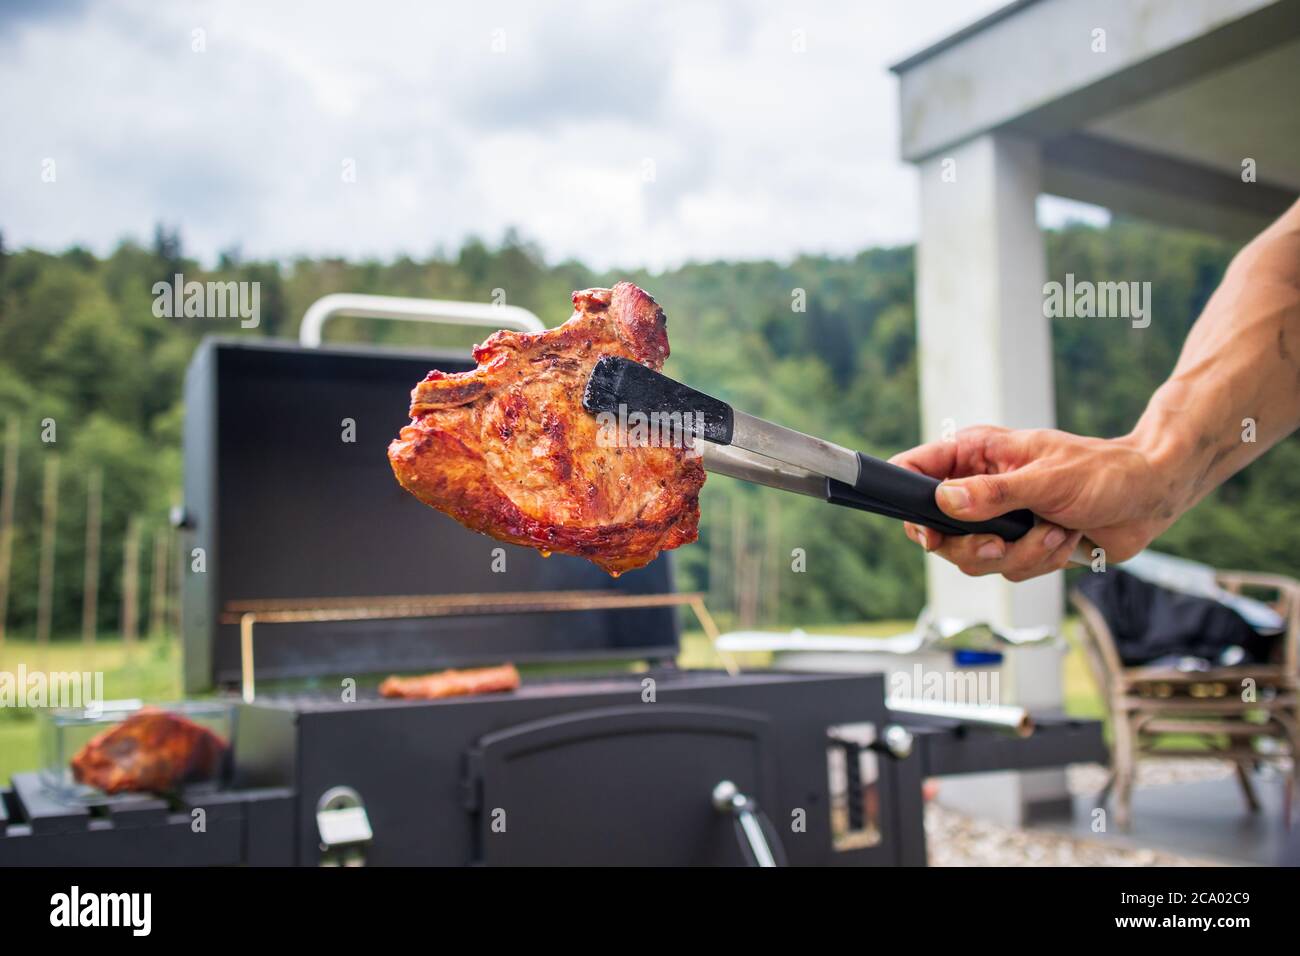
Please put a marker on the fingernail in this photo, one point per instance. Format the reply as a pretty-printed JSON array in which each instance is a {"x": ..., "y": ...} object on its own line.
[
  {"x": 922, "y": 538},
  {"x": 955, "y": 497},
  {"x": 1054, "y": 539},
  {"x": 990, "y": 550}
]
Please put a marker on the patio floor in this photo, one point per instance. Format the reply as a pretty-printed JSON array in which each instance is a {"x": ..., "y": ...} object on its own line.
[
  {"x": 1200, "y": 819},
  {"x": 1184, "y": 813}
]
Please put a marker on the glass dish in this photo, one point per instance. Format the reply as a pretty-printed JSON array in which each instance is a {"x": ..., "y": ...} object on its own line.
[{"x": 65, "y": 732}]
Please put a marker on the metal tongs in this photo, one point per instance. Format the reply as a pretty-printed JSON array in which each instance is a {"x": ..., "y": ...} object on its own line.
[{"x": 751, "y": 449}]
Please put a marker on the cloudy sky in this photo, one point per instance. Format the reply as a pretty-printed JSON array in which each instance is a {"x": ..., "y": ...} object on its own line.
[{"x": 622, "y": 133}]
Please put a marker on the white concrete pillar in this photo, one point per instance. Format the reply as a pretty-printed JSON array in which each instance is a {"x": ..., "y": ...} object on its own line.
[{"x": 985, "y": 358}]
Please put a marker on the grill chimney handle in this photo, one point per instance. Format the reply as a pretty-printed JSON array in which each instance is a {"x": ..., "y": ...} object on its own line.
[{"x": 751, "y": 825}]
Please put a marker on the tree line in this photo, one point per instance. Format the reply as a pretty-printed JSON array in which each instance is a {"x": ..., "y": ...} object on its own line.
[{"x": 823, "y": 344}]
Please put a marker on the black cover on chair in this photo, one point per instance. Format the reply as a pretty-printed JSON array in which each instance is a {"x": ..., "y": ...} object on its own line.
[{"x": 1150, "y": 622}]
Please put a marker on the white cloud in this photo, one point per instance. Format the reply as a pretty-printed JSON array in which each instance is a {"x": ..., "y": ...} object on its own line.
[{"x": 757, "y": 150}]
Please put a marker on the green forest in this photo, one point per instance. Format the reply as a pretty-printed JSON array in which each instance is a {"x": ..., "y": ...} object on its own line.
[{"x": 90, "y": 374}]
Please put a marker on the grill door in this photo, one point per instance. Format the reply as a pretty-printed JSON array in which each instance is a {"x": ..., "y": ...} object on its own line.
[{"x": 617, "y": 786}]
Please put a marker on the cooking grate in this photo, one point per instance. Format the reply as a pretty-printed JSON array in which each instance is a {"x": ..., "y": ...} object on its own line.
[{"x": 248, "y": 614}]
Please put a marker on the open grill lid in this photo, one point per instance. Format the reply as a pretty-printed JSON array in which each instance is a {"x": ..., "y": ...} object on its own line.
[{"x": 286, "y": 508}]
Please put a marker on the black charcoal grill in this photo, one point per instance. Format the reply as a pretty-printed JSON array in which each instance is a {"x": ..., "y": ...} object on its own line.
[{"x": 319, "y": 573}]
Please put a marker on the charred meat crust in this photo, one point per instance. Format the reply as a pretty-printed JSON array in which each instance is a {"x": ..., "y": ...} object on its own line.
[{"x": 507, "y": 450}]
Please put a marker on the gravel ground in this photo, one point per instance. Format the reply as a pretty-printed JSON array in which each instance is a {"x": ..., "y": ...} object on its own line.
[
  {"x": 1089, "y": 778},
  {"x": 957, "y": 840}
]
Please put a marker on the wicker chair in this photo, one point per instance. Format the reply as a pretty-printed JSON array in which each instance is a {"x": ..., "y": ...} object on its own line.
[{"x": 1147, "y": 704}]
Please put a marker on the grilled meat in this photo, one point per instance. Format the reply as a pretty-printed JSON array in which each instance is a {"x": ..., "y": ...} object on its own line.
[
  {"x": 451, "y": 683},
  {"x": 152, "y": 751},
  {"x": 507, "y": 449}
]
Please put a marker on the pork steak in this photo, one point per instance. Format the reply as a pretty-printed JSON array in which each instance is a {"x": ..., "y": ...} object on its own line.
[{"x": 508, "y": 450}]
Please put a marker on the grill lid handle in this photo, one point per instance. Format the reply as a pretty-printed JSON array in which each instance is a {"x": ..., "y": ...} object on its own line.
[{"x": 436, "y": 311}]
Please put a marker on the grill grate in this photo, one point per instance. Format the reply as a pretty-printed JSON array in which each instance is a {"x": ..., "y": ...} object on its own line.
[
  {"x": 320, "y": 699},
  {"x": 247, "y": 614}
]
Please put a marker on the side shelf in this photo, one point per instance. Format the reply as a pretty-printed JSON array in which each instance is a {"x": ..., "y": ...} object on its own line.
[
  {"x": 951, "y": 747},
  {"x": 231, "y": 828}
]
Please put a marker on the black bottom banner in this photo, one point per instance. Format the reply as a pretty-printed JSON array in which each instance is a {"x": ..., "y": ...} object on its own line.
[{"x": 916, "y": 907}]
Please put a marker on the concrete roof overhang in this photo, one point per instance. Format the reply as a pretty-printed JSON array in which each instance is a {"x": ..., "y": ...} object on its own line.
[{"x": 1157, "y": 124}]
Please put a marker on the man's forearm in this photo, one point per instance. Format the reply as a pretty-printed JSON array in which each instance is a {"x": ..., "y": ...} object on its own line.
[{"x": 1235, "y": 391}]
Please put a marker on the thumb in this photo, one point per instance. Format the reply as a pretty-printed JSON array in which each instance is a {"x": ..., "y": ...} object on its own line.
[{"x": 981, "y": 497}]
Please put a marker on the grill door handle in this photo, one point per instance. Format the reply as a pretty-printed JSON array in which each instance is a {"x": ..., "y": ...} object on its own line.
[{"x": 748, "y": 820}]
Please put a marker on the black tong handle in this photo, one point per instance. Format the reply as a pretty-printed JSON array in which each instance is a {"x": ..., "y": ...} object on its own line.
[{"x": 886, "y": 489}]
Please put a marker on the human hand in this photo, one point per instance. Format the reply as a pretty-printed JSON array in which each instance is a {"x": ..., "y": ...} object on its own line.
[{"x": 1107, "y": 489}]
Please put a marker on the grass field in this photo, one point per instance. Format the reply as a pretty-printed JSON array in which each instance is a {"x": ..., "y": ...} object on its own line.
[{"x": 151, "y": 672}]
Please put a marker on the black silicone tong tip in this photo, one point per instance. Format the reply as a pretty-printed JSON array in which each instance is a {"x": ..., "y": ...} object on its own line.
[{"x": 620, "y": 386}]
